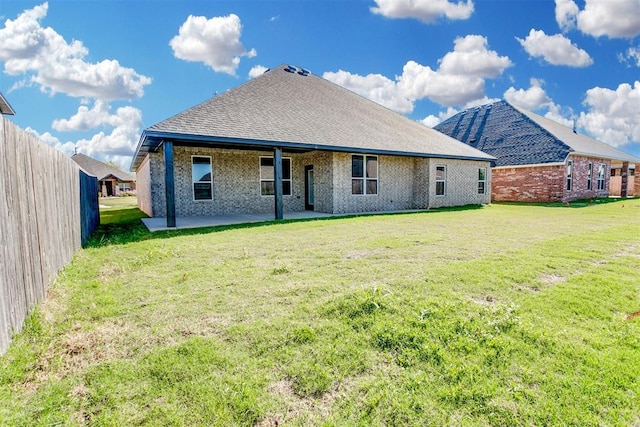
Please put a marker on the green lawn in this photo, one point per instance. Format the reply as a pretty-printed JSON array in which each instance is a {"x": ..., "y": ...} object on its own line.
[{"x": 501, "y": 315}]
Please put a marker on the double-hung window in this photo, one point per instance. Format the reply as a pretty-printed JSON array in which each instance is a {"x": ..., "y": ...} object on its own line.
[
  {"x": 602, "y": 169},
  {"x": 267, "y": 184},
  {"x": 364, "y": 174},
  {"x": 441, "y": 180},
  {"x": 201, "y": 177},
  {"x": 569, "y": 175},
  {"x": 589, "y": 175},
  {"x": 482, "y": 180}
]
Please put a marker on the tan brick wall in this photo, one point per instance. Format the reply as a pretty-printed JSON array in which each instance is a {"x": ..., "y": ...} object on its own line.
[
  {"x": 143, "y": 187},
  {"x": 403, "y": 183},
  {"x": 395, "y": 186},
  {"x": 461, "y": 183},
  {"x": 548, "y": 183}
]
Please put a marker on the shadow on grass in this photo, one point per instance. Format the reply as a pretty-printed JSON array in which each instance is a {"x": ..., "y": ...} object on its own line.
[{"x": 121, "y": 226}]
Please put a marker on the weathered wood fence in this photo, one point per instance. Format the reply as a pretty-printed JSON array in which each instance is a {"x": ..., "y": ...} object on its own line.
[{"x": 48, "y": 208}]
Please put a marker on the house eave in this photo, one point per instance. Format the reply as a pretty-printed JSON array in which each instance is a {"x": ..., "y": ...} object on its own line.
[{"x": 151, "y": 141}]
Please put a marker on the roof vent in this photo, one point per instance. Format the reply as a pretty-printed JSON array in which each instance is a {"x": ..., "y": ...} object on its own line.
[{"x": 301, "y": 71}]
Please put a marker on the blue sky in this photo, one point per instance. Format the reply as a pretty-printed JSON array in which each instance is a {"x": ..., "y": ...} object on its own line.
[{"x": 91, "y": 75}]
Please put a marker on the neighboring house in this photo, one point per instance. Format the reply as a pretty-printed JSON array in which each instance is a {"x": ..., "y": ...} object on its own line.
[
  {"x": 292, "y": 141},
  {"x": 538, "y": 159},
  {"x": 111, "y": 181}
]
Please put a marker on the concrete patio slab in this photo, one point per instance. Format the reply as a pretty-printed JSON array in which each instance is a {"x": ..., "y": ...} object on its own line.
[{"x": 160, "y": 224}]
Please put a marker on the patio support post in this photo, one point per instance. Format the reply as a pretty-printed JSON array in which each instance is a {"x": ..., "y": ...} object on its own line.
[
  {"x": 624, "y": 175},
  {"x": 169, "y": 184},
  {"x": 277, "y": 180}
]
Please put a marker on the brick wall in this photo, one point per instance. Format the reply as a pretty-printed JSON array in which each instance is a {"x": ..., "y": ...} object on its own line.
[
  {"x": 548, "y": 183},
  {"x": 143, "y": 187},
  {"x": 461, "y": 183},
  {"x": 395, "y": 186},
  {"x": 403, "y": 183}
]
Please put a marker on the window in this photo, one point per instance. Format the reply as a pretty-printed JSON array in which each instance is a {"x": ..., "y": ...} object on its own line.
[
  {"x": 589, "y": 175},
  {"x": 569, "y": 175},
  {"x": 441, "y": 180},
  {"x": 201, "y": 178},
  {"x": 267, "y": 185},
  {"x": 364, "y": 174},
  {"x": 602, "y": 169},
  {"x": 482, "y": 180}
]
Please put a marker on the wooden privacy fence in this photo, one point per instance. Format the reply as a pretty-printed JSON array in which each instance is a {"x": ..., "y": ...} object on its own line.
[{"x": 48, "y": 208}]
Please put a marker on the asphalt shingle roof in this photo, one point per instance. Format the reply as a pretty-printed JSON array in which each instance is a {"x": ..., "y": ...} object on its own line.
[
  {"x": 516, "y": 136},
  {"x": 290, "y": 110},
  {"x": 99, "y": 169}
]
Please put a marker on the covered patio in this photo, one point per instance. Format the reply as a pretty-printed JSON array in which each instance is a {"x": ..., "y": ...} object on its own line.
[{"x": 160, "y": 223}]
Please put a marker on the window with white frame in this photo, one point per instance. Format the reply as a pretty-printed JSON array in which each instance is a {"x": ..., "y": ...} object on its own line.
[
  {"x": 602, "y": 170},
  {"x": 267, "y": 184},
  {"x": 364, "y": 174},
  {"x": 589, "y": 175},
  {"x": 201, "y": 176},
  {"x": 441, "y": 180},
  {"x": 569, "y": 175},
  {"x": 482, "y": 180}
]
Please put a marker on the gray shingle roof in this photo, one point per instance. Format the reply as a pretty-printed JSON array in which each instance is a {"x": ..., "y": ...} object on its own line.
[
  {"x": 290, "y": 110},
  {"x": 516, "y": 136},
  {"x": 99, "y": 169}
]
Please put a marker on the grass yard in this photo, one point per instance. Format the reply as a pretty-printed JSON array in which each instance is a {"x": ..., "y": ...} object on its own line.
[{"x": 501, "y": 315}]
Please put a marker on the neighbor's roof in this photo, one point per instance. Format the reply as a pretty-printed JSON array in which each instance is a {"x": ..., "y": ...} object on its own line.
[
  {"x": 519, "y": 137},
  {"x": 99, "y": 169},
  {"x": 294, "y": 109},
  {"x": 5, "y": 108}
]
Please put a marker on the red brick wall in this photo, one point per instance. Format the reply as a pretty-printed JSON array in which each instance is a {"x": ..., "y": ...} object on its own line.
[
  {"x": 548, "y": 183},
  {"x": 527, "y": 184}
]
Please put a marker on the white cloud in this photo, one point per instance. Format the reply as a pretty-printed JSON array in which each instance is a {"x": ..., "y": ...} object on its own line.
[
  {"x": 632, "y": 54},
  {"x": 116, "y": 144},
  {"x": 376, "y": 87},
  {"x": 472, "y": 57},
  {"x": 256, "y": 71},
  {"x": 555, "y": 113},
  {"x": 611, "y": 18},
  {"x": 612, "y": 115},
  {"x": 566, "y": 14},
  {"x": 459, "y": 79},
  {"x": 427, "y": 11},
  {"x": 555, "y": 49},
  {"x": 215, "y": 42},
  {"x": 532, "y": 99},
  {"x": 432, "y": 120},
  {"x": 535, "y": 98},
  {"x": 57, "y": 66},
  {"x": 85, "y": 118}
]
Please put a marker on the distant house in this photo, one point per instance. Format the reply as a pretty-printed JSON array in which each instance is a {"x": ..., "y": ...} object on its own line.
[
  {"x": 111, "y": 181},
  {"x": 540, "y": 160},
  {"x": 291, "y": 141}
]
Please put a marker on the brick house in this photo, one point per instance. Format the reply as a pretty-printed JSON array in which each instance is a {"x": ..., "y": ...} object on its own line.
[
  {"x": 111, "y": 181},
  {"x": 540, "y": 160},
  {"x": 290, "y": 141}
]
